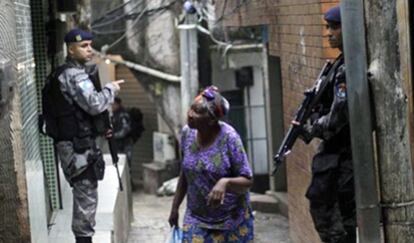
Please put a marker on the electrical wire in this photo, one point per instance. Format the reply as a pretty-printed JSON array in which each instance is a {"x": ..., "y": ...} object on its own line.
[
  {"x": 157, "y": 14},
  {"x": 109, "y": 32},
  {"x": 205, "y": 15},
  {"x": 117, "y": 18},
  {"x": 209, "y": 18},
  {"x": 150, "y": 13},
  {"x": 125, "y": 34},
  {"x": 230, "y": 13},
  {"x": 106, "y": 14}
]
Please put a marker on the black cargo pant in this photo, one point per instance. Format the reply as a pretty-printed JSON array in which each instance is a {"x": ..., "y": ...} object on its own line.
[{"x": 332, "y": 198}]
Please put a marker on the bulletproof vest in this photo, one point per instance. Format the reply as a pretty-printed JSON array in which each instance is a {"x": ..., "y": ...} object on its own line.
[
  {"x": 341, "y": 140},
  {"x": 328, "y": 96},
  {"x": 69, "y": 120}
]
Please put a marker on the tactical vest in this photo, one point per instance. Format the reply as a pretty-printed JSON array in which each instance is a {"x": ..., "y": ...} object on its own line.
[{"x": 64, "y": 121}]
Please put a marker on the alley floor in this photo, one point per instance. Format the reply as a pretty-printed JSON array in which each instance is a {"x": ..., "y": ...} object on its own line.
[{"x": 151, "y": 214}]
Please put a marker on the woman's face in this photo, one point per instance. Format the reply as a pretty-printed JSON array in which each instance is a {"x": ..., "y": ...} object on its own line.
[{"x": 197, "y": 115}]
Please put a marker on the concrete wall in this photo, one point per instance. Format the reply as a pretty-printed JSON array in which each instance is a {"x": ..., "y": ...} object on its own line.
[{"x": 295, "y": 36}]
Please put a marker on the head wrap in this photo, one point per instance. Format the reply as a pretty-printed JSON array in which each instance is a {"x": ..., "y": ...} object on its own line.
[
  {"x": 216, "y": 104},
  {"x": 78, "y": 35},
  {"x": 333, "y": 14}
]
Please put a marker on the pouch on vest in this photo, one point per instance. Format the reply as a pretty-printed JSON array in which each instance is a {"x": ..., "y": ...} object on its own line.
[{"x": 97, "y": 163}]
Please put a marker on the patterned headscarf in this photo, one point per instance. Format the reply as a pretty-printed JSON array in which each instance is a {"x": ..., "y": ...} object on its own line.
[{"x": 216, "y": 104}]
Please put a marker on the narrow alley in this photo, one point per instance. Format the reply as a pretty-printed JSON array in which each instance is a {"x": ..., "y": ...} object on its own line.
[
  {"x": 307, "y": 105},
  {"x": 151, "y": 213}
]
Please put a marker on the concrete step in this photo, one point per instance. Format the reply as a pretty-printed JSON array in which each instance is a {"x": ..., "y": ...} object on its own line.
[
  {"x": 271, "y": 202},
  {"x": 264, "y": 203},
  {"x": 282, "y": 198}
]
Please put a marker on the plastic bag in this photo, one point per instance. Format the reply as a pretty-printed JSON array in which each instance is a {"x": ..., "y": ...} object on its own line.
[{"x": 175, "y": 235}]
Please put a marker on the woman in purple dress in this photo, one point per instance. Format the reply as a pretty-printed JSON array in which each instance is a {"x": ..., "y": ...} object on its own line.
[{"x": 215, "y": 176}]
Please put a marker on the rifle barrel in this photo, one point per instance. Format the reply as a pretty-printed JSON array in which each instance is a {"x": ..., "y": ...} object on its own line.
[
  {"x": 121, "y": 188},
  {"x": 115, "y": 159}
]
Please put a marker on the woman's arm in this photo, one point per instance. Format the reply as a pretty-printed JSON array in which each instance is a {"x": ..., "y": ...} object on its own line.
[
  {"x": 238, "y": 184},
  {"x": 178, "y": 199},
  {"x": 234, "y": 184},
  {"x": 240, "y": 172}
]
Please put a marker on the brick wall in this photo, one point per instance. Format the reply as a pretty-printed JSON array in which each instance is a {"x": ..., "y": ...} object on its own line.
[{"x": 296, "y": 29}]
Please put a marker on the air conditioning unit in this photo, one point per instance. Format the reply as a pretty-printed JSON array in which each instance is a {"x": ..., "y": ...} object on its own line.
[{"x": 164, "y": 147}]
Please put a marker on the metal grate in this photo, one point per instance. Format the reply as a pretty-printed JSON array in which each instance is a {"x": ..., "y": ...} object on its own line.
[{"x": 41, "y": 71}]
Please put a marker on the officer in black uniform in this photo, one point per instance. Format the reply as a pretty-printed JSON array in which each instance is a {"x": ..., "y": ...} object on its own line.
[
  {"x": 76, "y": 106},
  {"x": 121, "y": 122},
  {"x": 331, "y": 192}
]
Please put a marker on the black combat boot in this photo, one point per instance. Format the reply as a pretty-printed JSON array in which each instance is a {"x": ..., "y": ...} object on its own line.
[{"x": 83, "y": 239}]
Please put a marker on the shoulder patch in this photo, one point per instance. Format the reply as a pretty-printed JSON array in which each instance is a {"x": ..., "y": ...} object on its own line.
[
  {"x": 341, "y": 90},
  {"x": 86, "y": 85}
]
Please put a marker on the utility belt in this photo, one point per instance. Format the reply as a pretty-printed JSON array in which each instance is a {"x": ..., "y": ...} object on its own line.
[{"x": 96, "y": 165}]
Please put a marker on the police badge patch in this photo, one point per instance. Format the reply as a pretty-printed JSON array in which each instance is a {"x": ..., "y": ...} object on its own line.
[
  {"x": 341, "y": 90},
  {"x": 86, "y": 85}
]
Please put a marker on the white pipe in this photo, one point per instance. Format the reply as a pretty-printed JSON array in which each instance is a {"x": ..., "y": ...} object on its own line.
[
  {"x": 150, "y": 71},
  {"x": 143, "y": 69}
]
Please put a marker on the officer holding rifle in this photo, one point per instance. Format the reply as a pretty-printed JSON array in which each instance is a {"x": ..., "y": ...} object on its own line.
[{"x": 324, "y": 114}]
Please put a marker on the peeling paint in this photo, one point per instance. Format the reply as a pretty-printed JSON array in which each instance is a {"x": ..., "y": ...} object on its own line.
[
  {"x": 303, "y": 44},
  {"x": 375, "y": 69}
]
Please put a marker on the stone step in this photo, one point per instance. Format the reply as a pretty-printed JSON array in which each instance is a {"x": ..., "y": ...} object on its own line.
[
  {"x": 282, "y": 198},
  {"x": 271, "y": 202},
  {"x": 264, "y": 203}
]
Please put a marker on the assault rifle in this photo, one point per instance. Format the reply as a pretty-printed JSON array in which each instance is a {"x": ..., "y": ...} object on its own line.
[
  {"x": 103, "y": 123},
  {"x": 114, "y": 154},
  {"x": 312, "y": 99}
]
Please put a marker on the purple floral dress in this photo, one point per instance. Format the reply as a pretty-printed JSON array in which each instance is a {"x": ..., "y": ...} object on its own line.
[{"x": 202, "y": 168}]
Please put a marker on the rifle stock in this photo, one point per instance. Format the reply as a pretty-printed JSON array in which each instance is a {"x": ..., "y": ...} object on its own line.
[{"x": 312, "y": 98}]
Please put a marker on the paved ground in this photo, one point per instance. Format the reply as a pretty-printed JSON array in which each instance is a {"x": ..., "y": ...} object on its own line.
[{"x": 151, "y": 226}]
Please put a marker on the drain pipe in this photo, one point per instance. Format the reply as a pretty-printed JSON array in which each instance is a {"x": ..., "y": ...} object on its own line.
[{"x": 366, "y": 192}]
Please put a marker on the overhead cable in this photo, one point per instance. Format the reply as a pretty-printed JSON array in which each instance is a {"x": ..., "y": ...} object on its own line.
[
  {"x": 97, "y": 24},
  {"x": 149, "y": 13}
]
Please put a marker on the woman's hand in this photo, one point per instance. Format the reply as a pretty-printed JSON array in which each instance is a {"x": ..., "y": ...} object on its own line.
[
  {"x": 173, "y": 219},
  {"x": 216, "y": 195}
]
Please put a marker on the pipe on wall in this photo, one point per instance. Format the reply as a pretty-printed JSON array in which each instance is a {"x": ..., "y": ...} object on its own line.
[{"x": 366, "y": 191}]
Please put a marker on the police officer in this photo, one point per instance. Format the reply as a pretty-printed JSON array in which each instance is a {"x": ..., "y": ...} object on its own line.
[
  {"x": 121, "y": 122},
  {"x": 331, "y": 192},
  {"x": 77, "y": 110}
]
